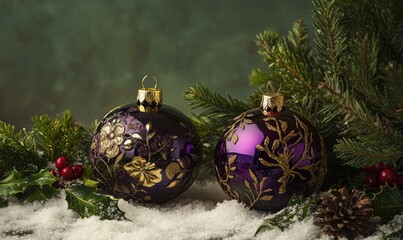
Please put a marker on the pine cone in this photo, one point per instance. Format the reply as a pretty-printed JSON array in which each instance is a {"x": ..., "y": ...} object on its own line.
[{"x": 341, "y": 214}]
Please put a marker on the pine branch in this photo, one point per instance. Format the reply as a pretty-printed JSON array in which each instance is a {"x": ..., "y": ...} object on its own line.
[
  {"x": 31, "y": 150},
  {"x": 290, "y": 68},
  {"x": 330, "y": 42},
  {"x": 18, "y": 150},
  {"x": 13, "y": 138},
  {"x": 387, "y": 21},
  {"x": 360, "y": 118},
  {"x": 201, "y": 97},
  {"x": 209, "y": 134},
  {"x": 260, "y": 77},
  {"x": 288, "y": 57},
  {"x": 61, "y": 137},
  {"x": 364, "y": 69},
  {"x": 358, "y": 154}
]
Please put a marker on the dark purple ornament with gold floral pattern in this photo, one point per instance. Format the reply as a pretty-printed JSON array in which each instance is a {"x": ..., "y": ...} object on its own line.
[
  {"x": 269, "y": 154},
  {"x": 146, "y": 151}
]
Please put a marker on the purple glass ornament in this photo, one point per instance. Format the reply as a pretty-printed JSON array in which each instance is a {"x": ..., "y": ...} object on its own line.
[
  {"x": 146, "y": 151},
  {"x": 269, "y": 154}
]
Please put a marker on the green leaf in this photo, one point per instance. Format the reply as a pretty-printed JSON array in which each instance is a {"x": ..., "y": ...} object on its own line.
[
  {"x": 296, "y": 209},
  {"x": 90, "y": 182},
  {"x": 44, "y": 177},
  {"x": 3, "y": 202},
  {"x": 14, "y": 183},
  {"x": 388, "y": 203},
  {"x": 17, "y": 182},
  {"x": 41, "y": 194},
  {"x": 89, "y": 201}
]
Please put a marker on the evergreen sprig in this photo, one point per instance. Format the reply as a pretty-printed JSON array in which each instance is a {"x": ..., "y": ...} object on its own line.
[
  {"x": 31, "y": 150},
  {"x": 18, "y": 150},
  {"x": 61, "y": 137},
  {"x": 218, "y": 112},
  {"x": 296, "y": 210},
  {"x": 347, "y": 81}
]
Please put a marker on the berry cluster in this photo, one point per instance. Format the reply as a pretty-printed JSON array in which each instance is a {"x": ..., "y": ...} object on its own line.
[
  {"x": 65, "y": 171},
  {"x": 382, "y": 174}
]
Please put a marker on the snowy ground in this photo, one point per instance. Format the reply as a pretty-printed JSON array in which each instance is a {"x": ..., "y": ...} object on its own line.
[{"x": 202, "y": 212}]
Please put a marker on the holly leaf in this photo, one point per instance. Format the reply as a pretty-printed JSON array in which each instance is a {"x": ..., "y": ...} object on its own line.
[
  {"x": 44, "y": 177},
  {"x": 41, "y": 194},
  {"x": 14, "y": 183},
  {"x": 89, "y": 201},
  {"x": 18, "y": 182},
  {"x": 90, "y": 183},
  {"x": 388, "y": 202},
  {"x": 296, "y": 210}
]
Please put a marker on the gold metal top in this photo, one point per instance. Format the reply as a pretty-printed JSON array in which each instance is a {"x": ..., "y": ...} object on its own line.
[
  {"x": 149, "y": 99},
  {"x": 272, "y": 102}
]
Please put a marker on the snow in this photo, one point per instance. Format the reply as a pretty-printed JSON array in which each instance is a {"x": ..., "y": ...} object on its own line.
[{"x": 202, "y": 212}]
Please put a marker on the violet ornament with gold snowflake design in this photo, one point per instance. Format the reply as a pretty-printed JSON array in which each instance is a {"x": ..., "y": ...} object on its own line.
[
  {"x": 111, "y": 137},
  {"x": 144, "y": 172}
]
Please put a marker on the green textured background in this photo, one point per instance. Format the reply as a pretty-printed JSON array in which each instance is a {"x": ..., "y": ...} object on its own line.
[{"x": 90, "y": 56}]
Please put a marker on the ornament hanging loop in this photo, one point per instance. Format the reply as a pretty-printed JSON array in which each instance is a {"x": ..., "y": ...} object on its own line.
[
  {"x": 149, "y": 99},
  {"x": 145, "y": 77},
  {"x": 272, "y": 103}
]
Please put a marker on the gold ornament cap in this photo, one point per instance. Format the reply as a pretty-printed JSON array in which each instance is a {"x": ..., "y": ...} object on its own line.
[
  {"x": 149, "y": 99},
  {"x": 272, "y": 102}
]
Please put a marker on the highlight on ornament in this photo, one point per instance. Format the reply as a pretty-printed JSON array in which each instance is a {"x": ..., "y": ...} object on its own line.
[{"x": 146, "y": 151}]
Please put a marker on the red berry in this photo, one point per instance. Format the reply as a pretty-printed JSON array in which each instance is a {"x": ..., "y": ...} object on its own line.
[
  {"x": 57, "y": 184},
  {"x": 67, "y": 173},
  {"x": 369, "y": 169},
  {"x": 379, "y": 167},
  {"x": 78, "y": 170},
  {"x": 372, "y": 181},
  {"x": 399, "y": 181},
  {"x": 387, "y": 176},
  {"x": 387, "y": 166},
  {"x": 61, "y": 163}
]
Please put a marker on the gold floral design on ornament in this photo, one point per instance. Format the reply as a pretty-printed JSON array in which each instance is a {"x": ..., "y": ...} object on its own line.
[
  {"x": 94, "y": 144},
  {"x": 175, "y": 172},
  {"x": 144, "y": 172},
  {"x": 282, "y": 158},
  {"x": 240, "y": 122},
  {"x": 111, "y": 136},
  {"x": 223, "y": 181},
  {"x": 255, "y": 189}
]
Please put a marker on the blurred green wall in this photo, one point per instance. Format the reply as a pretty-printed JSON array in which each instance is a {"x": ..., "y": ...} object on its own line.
[{"x": 90, "y": 55}]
